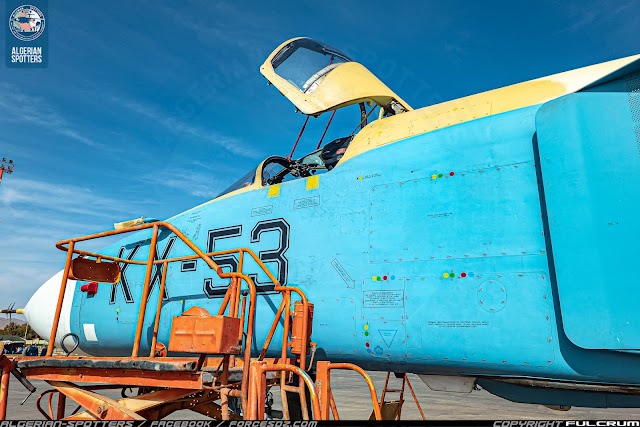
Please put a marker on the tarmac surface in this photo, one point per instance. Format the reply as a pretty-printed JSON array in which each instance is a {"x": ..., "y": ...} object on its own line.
[{"x": 354, "y": 402}]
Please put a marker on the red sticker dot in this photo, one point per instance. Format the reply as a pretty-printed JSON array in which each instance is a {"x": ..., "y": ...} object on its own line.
[
  {"x": 451, "y": 173},
  {"x": 463, "y": 274},
  {"x": 384, "y": 277},
  {"x": 367, "y": 344}
]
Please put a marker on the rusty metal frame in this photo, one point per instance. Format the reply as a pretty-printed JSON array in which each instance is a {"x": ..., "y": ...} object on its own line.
[
  {"x": 257, "y": 392},
  {"x": 323, "y": 384},
  {"x": 231, "y": 300},
  {"x": 136, "y": 378},
  {"x": 69, "y": 246},
  {"x": 97, "y": 407},
  {"x": 405, "y": 380},
  {"x": 415, "y": 398},
  {"x": 47, "y": 416},
  {"x": 188, "y": 388},
  {"x": 5, "y": 369},
  {"x": 62, "y": 399}
]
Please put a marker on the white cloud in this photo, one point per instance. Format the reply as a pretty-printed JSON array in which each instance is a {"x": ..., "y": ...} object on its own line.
[
  {"x": 28, "y": 257},
  {"x": 67, "y": 199},
  {"x": 176, "y": 126},
  {"x": 19, "y": 106},
  {"x": 20, "y": 280},
  {"x": 191, "y": 182},
  {"x": 586, "y": 16},
  {"x": 247, "y": 39},
  {"x": 34, "y": 215}
]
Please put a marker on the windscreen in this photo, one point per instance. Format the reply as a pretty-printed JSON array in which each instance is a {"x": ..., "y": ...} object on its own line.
[
  {"x": 245, "y": 181},
  {"x": 304, "y": 62}
]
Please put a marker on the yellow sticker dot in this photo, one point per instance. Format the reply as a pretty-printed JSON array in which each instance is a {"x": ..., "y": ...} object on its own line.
[
  {"x": 313, "y": 182},
  {"x": 273, "y": 191},
  {"x": 445, "y": 275},
  {"x": 434, "y": 176},
  {"x": 366, "y": 327},
  {"x": 374, "y": 278}
]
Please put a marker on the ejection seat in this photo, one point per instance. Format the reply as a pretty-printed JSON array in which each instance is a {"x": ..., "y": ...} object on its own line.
[{"x": 333, "y": 151}]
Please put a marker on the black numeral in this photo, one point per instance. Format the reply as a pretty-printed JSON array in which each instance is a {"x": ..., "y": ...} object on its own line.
[
  {"x": 226, "y": 262},
  {"x": 230, "y": 262},
  {"x": 274, "y": 255}
]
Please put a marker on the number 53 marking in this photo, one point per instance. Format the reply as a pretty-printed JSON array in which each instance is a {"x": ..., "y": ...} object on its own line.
[{"x": 272, "y": 256}]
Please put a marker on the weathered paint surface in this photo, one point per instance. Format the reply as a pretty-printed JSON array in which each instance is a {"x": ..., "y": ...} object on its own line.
[
  {"x": 493, "y": 235},
  {"x": 432, "y": 254}
]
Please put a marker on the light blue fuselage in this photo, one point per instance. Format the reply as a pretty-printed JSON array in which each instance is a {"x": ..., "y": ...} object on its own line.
[{"x": 383, "y": 215}]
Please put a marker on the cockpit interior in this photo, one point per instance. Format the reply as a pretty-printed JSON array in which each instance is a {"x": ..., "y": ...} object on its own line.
[{"x": 319, "y": 79}]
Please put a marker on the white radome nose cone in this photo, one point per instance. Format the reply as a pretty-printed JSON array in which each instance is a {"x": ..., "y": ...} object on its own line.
[{"x": 41, "y": 308}]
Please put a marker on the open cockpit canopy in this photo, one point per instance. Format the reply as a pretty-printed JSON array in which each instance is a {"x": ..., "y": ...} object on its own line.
[
  {"x": 317, "y": 78},
  {"x": 305, "y": 62}
]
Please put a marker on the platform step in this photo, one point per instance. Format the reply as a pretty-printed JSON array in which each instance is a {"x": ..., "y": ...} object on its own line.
[{"x": 145, "y": 365}]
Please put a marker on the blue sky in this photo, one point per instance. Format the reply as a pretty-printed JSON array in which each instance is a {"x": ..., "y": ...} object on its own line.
[{"x": 148, "y": 108}]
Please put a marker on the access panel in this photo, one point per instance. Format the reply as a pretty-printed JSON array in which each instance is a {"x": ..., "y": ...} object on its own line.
[{"x": 589, "y": 146}]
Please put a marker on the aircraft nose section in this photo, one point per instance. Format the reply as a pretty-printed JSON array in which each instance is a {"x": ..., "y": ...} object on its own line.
[{"x": 41, "y": 308}]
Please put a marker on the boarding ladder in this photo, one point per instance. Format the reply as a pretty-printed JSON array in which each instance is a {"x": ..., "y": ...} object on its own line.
[{"x": 392, "y": 410}]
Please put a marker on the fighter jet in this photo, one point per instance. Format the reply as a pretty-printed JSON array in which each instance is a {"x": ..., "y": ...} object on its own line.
[{"x": 485, "y": 241}]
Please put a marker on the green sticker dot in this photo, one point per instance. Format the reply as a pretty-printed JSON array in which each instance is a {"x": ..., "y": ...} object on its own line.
[
  {"x": 452, "y": 274},
  {"x": 378, "y": 278},
  {"x": 366, "y": 334},
  {"x": 440, "y": 175}
]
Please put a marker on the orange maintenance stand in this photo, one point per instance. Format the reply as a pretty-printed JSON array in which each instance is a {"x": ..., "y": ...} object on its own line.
[{"x": 221, "y": 369}]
